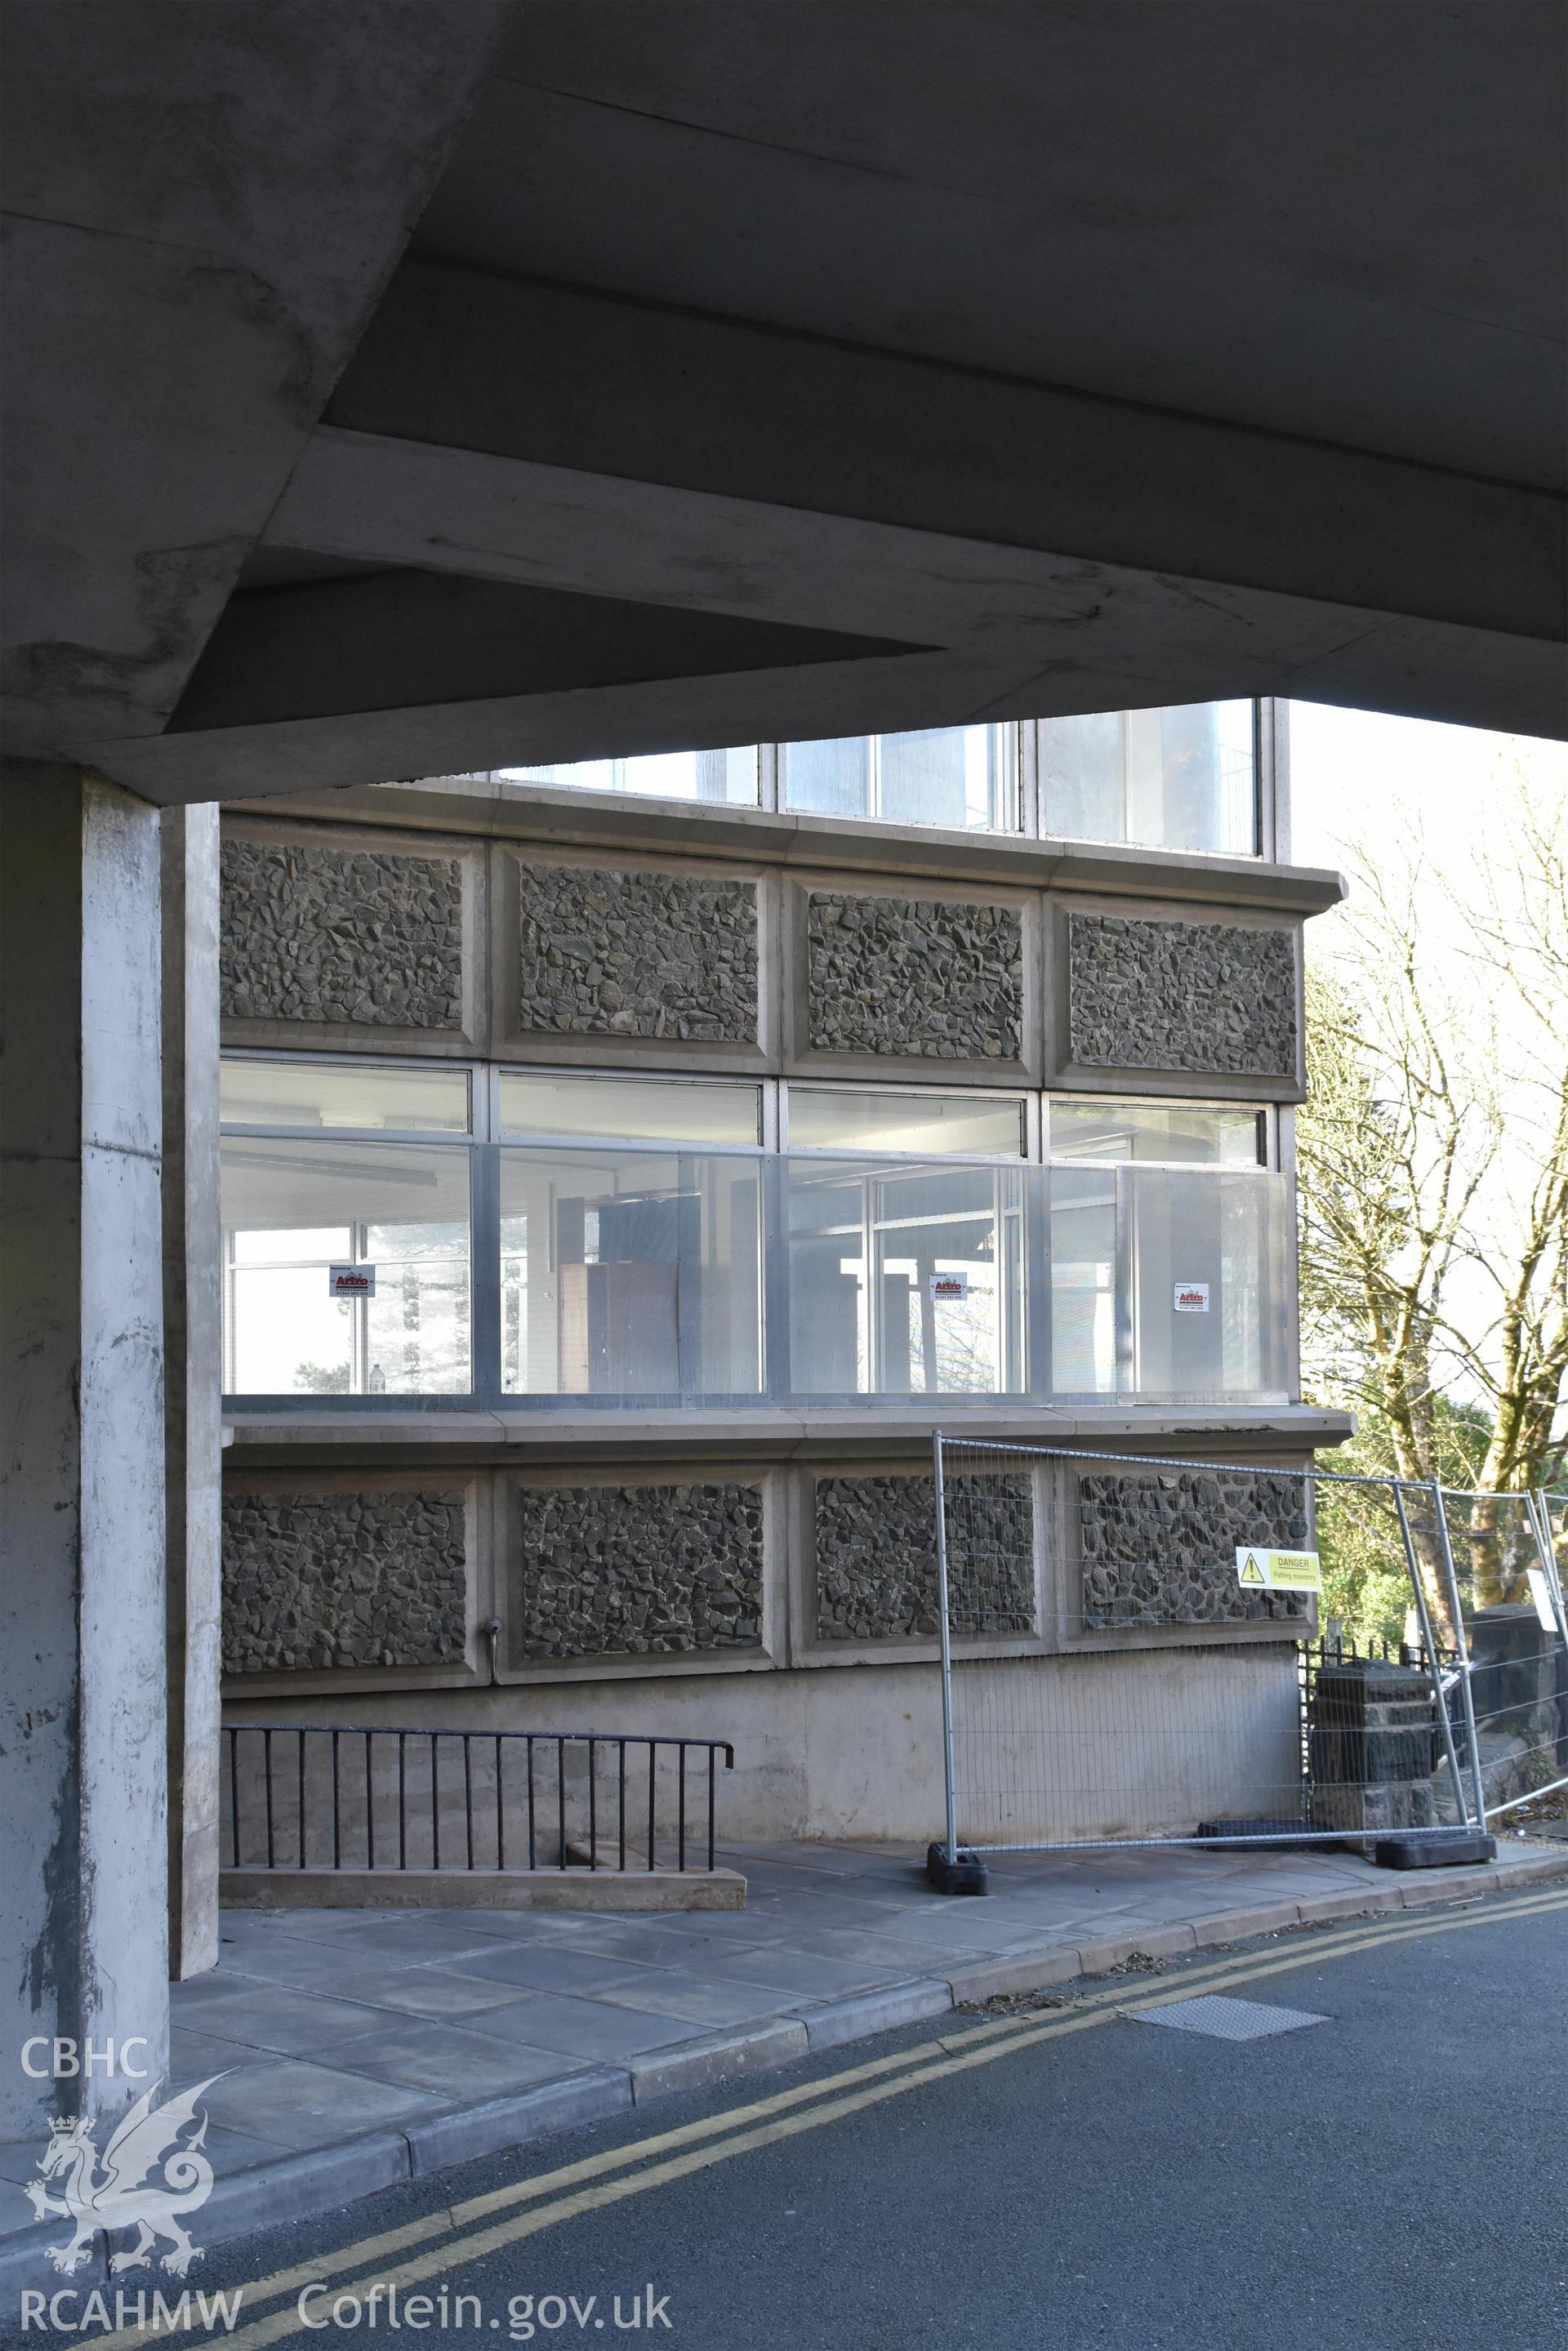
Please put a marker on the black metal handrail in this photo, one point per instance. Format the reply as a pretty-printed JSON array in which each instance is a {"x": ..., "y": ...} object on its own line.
[{"x": 289, "y": 1797}]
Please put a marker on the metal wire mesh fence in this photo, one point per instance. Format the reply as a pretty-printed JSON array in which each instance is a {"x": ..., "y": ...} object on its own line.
[{"x": 1131, "y": 1655}]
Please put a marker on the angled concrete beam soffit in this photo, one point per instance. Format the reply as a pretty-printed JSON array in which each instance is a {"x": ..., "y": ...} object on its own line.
[{"x": 201, "y": 207}]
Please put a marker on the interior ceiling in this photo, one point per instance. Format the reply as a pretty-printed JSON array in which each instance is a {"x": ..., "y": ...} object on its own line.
[
  {"x": 1322, "y": 219},
  {"x": 400, "y": 388}
]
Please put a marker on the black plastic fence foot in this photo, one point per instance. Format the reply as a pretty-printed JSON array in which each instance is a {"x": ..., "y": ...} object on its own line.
[
  {"x": 1443, "y": 1852},
  {"x": 967, "y": 1875}
]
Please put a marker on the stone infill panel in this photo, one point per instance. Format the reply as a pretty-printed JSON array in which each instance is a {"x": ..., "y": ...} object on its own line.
[
  {"x": 607, "y": 954},
  {"x": 1205, "y": 997},
  {"x": 1160, "y": 1549},
  {"x": 334, "y": 1580},
  {"x": 917, "y": 976},
  {"x": 876, "y": 1557},
  {"x": 360, "y": 936},
  {"x": 642, "y": 1571}
]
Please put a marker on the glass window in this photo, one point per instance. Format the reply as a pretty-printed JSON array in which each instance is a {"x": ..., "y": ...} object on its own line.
[
  {"x": 825, "y": 1119},
  {"x": 905, "y": 1282},
  {"x": 961, "y": 777},
  {"x": 1190, "y": 1134},
  {"x": 295, "y": 1216},
  {"x": 618, "y": 1108},
  {"x": 1182, "y": 777},
  {"x": 406, "y": 1099},
  {"x": 725, "y": 776},
  {"x": 1170, "y": 1284},
  {"x": 631, "y": 1274}
]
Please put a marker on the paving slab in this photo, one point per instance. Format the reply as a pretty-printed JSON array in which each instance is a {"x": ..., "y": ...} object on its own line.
[{"x": 358, "y": 2047}]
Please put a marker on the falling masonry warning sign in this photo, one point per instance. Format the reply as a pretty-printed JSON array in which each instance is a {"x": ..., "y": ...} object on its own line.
[{"x": 1278, "y": 1570}]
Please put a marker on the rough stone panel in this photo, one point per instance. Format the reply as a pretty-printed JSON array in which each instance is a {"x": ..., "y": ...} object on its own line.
[
  {"x": 876, "y": 1557},
  {"x": 1206, "y": 997},
  {"x": 640, "y": 1571},
  {"x": 353, "y": 1579},
  {"x": 606, "y": 953},
  {"x": 1160, "y": 1549},
  {"x": 915, "y": 976},
  {"x": 354, "y": 934}
]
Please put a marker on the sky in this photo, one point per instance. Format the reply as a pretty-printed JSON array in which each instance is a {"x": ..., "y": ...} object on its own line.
[{"x": 1356, "y": 775}]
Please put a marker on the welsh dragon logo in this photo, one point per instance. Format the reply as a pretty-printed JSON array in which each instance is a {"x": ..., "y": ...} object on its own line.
[{"x": 146, "y": 2179}]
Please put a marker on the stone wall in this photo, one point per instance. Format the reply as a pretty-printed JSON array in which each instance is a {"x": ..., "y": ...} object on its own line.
[
  {"x": 876, "y": 1557},
  {"x": 917, "y": 976},
  {"x": 351, "y": 1579},
  {"x": 1206, "y": 997},
  {"x": 1160, "y": 1548},
  {"x": 364, "y": 935},
  {"x": 607, "y": 954},
  {"x": 640, "y": 1571}
]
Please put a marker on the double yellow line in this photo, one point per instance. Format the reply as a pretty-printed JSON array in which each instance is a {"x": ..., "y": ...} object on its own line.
[{"x": 593, "y": 2183}]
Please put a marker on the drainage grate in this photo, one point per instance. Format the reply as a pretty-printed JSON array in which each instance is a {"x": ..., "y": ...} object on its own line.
[{"x": 1228, "y": 2019}]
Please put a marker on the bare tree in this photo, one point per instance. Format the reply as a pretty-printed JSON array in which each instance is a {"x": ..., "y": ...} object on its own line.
[{"x": 1433, "y": 1161}]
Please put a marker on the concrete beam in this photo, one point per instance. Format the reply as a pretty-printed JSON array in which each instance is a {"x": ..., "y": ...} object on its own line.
[
  {"x": 203, "y": 206},
  {"x": 551, "y": 439},
  {"x": 594, "y": 384}
]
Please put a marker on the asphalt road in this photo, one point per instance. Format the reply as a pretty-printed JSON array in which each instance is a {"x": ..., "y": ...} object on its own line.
[{"x": 1396, "y": 2176}]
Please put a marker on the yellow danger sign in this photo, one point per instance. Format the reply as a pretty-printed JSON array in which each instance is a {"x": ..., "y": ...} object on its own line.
[{"x": 1278, "y": 1570}]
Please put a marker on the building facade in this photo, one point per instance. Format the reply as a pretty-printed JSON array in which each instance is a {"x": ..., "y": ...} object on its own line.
[{"x": 626, "y": 1168}]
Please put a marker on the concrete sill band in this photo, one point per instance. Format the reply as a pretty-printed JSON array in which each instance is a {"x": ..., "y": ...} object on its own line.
[
  {"x": 572, "y": 1888},
  {"x": 306, "y": 2184}
]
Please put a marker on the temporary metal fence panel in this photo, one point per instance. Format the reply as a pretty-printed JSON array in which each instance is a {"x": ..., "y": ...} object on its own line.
[{"x": 1110, "y": 1679}]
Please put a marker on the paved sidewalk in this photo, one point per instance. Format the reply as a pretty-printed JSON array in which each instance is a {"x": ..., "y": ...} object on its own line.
[{"x": 355, "y": 2048}]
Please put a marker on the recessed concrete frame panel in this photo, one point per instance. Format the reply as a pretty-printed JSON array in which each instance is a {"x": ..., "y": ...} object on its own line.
[{"x": 1173, "y": 999}]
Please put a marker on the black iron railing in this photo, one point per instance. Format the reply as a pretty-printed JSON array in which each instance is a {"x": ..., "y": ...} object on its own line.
[{"x": 320, "y": 1796}]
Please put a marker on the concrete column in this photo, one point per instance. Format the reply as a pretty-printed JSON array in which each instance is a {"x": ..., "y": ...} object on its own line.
[
  {"x": 82, "y": 1711},
  {"x": 193, "y": 1379}
]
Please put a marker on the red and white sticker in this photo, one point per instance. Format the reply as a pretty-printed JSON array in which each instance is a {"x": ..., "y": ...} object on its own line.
[
  {"x": 1191, "y": 1298},
  {"x": 351, "y": 1281},
  {"x": 947, "y": 1287}
]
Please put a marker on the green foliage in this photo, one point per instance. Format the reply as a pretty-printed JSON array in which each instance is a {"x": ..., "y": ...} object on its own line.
[{"x": 1366, "y": 1585}]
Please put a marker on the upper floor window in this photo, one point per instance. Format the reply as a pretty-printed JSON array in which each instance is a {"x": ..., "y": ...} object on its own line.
[
  {"x": 1184, "y": 777},
  {"x": 964, "y": 778},
  {"x": 728, "y": 776}
]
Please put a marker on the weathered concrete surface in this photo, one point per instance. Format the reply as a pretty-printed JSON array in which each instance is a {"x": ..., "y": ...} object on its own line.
[
  {"x": 82, "y": 1658},
  {"x": 816, "y": 1754},
  {"x": 1238, "y": 402},
  {"x": 193, "y": 1382},
  {"x": 202, "y": 207},
  {"x": 487, "y": 1889}
]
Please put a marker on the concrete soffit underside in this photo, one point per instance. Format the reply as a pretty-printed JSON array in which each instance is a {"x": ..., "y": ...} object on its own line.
[{"x": 390, "y": 469}]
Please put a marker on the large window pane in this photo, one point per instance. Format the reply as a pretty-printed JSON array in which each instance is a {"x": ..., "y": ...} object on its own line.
[
  {"x": 291, "y": 1211},
  {"x": 337, "y": 1093},
  {"x": 880, "y": 1120},
  {"x": 665, "y": 1109},
  {"x": 1169, "y": 1285},
  {"x": 726, "y": 776},
  {"x": 631, "y": 1274},
  {"x": 962, "y": 777},
  {"x": 1182, "y": 777},
  {"x": 1118, "y": 1130},
  {"x": 1084, "y": 1266},
  {"x": 1206, "y": 1261},
  {"x": 905, "y": 1282}
]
